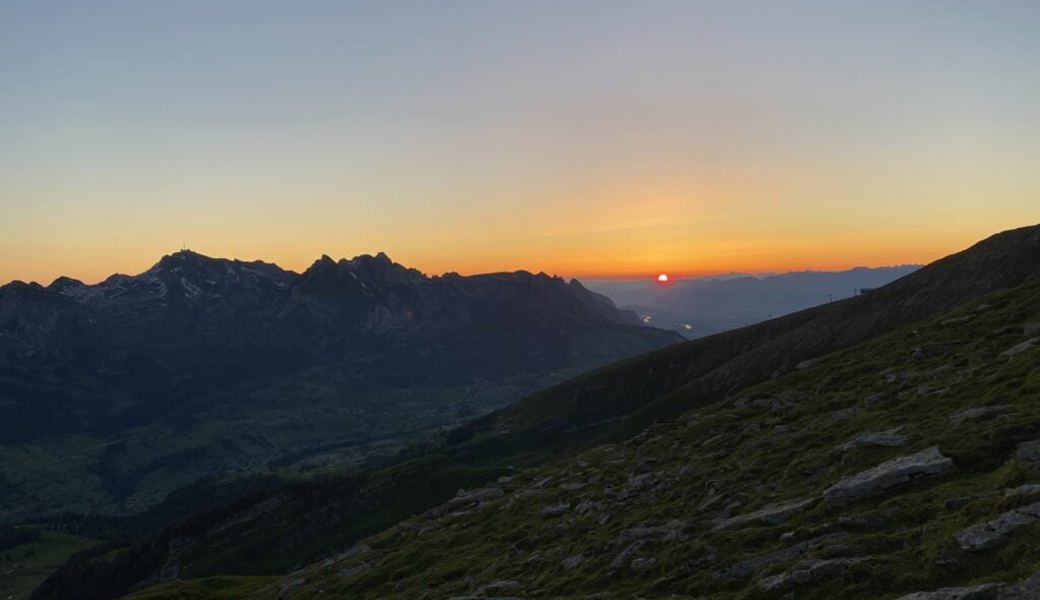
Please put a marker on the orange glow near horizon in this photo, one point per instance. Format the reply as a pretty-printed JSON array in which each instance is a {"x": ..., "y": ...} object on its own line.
[
  {"x": 686, "y": 138},
  {"x": 596, "y": 260}
]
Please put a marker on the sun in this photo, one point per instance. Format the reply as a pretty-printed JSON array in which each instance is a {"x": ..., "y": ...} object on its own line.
[{"x": 662, "y": 278}]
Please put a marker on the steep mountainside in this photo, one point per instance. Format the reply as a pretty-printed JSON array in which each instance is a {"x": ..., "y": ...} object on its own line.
[
  {"x": 115, "y": 393},
  {"x": 910, "y": 463}
]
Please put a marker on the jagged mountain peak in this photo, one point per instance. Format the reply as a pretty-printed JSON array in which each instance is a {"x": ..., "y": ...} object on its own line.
[{"x": 364, "y": 271}]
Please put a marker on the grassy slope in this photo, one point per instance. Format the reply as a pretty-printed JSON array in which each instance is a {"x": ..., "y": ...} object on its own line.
[
  {"x": 752, "y": 457},
  {"x": 621, "y": 399},
  {"x": 384, "y": 498},
  {"x": 210, "y": 588},
  {"x": 272, "y": 531},
  {"x": 23, "y": 567}
]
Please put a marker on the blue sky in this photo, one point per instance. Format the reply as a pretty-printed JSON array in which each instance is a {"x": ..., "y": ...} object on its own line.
[{"x": 583, "y": 138}]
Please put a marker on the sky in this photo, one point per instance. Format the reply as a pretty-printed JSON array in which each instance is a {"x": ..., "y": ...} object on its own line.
[{"x": 581, "y": 138}]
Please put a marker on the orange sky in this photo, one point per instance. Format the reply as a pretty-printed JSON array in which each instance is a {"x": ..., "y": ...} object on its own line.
[{"x": 587, "y": 138}]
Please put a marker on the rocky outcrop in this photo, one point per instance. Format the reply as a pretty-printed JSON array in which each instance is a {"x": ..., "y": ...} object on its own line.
[
  {"x": 877, "y": 480},
  {"x": 1028, "y": 589},
  {"x": 1028, "y": 451},
  {"x": 773, "y": 514},
  {"x": 1025, "y": 590},
  {"x": 749, "y": 566},
  {"x": 1020, "y": 348},
  {"x": 1029, "y": 489},
  {"x": 556, "y": 510},
  {"x": 475, "y": 497},
  {"x": 807, "y": 571},
  {"x": 987, "y": 591},
  {"x": 626, "y": 556},
  {"x": 979, "y": 413},
  {"x": 991, "y": 533},
  {"x": 887, "y": 439}
]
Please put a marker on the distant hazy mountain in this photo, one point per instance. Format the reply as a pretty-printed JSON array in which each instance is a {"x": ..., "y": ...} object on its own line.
[
  {"x": 199, "y": 365},
  {"x": 702, "y": 306}
]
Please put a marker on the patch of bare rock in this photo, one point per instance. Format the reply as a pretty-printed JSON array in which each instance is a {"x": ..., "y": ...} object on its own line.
[
  {"x": 807, "y": 571},
  {"x": 887, "y": 475},
  {"x": 773, "y": 514},
  {"x": 991, "y": 533}
]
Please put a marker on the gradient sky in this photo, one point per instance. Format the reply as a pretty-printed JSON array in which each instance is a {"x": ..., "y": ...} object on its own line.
[{"x": 579, "y": 138}]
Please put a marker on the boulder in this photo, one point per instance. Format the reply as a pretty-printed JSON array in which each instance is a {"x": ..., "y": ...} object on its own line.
[{"x": 877, "y": 480}]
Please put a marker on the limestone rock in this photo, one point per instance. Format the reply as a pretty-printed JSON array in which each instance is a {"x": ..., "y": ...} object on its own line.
[
  {"x": 1029, "y": 489},
  {"x": 572, "y": 562},
  {"x": 625, "y": 555},
  {"x": 980, "y": 413},
  {"x": 888, "y": 439},
  {"x": 499, "y": 587},
  {"x": 355, "y": 570},
  {"x": 898, "y": 471},
  {"x": 1025, "y": 590},
  {"x": 1028, "y": 451},
  {"x": 749, "y": 566},
  {"x": 807, "y": 571},
  {"x": 556, "y": 510},
  {"x": 668, "y": 531},
  {"x": 986, "y": 535},
  {"x": 773, "y": 514},
  {"x": 987, "y": 591},
  {"x": 1020, "y": 348},
  {"x": 478, "y": 496}
]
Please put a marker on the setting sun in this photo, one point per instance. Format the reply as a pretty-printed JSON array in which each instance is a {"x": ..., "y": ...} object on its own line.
[{"x": 662, "y": 278}]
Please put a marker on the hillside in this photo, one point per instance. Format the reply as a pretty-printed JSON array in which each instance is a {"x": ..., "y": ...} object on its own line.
[
  {"x": 905, "y": 464},
  {"x": 607, "y": 406},
  {"x": 115, "y": 394}
]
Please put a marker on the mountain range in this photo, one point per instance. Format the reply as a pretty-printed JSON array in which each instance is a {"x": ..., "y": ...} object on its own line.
[
  {"x": 882, "y": 446},
  {"x": 706, "y": 305},
  {"x": 116, "y": 393}
]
